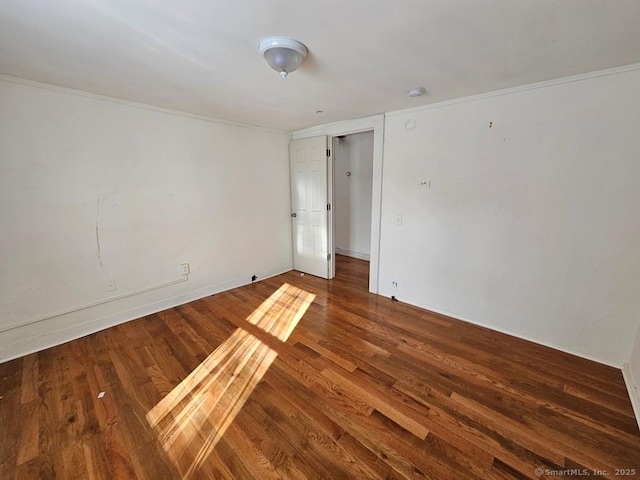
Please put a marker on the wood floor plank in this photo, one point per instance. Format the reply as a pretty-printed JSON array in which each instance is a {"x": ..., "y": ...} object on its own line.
[
  {"x": 408, "y": 419},
  {"x": 349, "y": 386}
]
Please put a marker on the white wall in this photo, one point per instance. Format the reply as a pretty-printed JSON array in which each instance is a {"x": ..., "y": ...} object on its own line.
[
  {"x": 154, "y": 188},
  {"x": 531, "y": 225},
  {"x": 352, "y": 194}
]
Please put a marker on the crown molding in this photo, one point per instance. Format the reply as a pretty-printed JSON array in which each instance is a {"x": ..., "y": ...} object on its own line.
[
  {"x": 130, "y": 103},
  {"x": 522, "y": 88}
]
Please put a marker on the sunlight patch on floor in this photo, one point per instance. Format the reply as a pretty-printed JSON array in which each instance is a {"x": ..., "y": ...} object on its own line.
[{"x": 192, "y": 418}]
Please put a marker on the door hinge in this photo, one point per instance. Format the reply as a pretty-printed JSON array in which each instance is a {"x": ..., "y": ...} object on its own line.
[
  {"x": 328, "y": 207},
  {"x": 328, "y": 152},
  {"x": 328, "y": 256}
]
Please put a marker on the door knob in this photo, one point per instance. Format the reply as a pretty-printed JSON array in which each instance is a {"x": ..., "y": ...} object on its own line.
[{"x": 294, "y": 215}]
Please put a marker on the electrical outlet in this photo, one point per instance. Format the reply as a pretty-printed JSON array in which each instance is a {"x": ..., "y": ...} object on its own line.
[
  {"x": 394, "y": 286},
  {"x": 184, "y": 269},
  {"x": 425, "y": 183},
  {"x": 111, "y": 286}
]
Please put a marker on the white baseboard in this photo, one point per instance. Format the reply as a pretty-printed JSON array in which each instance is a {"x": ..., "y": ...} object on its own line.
[
  {"x": 350, "y": 253},
  {"x": 33, "y": 339},
  {"x": 632, "y": 385},
  {"x": 632, "y": 388},
  {"x": 457, "y": 316}
]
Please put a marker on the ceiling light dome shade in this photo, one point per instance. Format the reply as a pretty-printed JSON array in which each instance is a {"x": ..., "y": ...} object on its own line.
[{"x": 282, "y": 54}]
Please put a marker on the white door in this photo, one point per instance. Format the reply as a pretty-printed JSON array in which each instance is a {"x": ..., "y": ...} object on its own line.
[{"x": 309, "y": 159}]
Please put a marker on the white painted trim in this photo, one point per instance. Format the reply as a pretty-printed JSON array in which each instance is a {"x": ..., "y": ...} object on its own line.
[
  {"x": 346, "y": 127},
  {"x": 522, "y": 88},
  {"x": 632, "y": 388},
  {"x": 331, "y": 231},
  {"x": 376, "y": 204},
  {"x": 52, "y": 338},
  {"x": 130, "y": 103},
  {"x": 357, "y": 125},
  {"x": 349, "y": 253},
  {"x": 457, "y": 316},
  {"x": 49, "y": 316}
]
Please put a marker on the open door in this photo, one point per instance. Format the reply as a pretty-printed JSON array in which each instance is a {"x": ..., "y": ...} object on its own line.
[{"x": 310, "y": 210}]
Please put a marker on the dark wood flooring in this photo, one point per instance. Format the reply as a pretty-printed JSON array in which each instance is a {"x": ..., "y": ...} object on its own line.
[{"x": 298, "y": 377}]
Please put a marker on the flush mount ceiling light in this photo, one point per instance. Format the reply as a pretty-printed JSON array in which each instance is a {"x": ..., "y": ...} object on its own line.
[
  {"x": 282, "y": 54},
  {"x": 416, "y": 91}
]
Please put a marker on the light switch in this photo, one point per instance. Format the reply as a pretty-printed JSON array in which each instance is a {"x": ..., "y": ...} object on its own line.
[{"x": 398, "y": 219}]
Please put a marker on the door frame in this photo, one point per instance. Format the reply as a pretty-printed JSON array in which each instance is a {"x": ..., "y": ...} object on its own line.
[{"x": 373, "y": 123}]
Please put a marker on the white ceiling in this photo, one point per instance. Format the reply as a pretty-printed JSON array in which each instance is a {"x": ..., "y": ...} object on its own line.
[{"x": 200, "y": 56}]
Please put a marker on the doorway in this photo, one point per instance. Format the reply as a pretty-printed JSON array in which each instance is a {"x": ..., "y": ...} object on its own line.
[
  {"x": 375, "y": 124},
  {"x": 352, "y": 195}
]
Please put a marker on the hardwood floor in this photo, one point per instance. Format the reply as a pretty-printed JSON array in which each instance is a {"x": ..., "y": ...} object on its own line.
[{"x": 297, "y": 377}]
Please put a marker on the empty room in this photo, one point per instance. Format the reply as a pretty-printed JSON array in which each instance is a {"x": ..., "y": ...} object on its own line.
[{"x": 330, "y": 240}]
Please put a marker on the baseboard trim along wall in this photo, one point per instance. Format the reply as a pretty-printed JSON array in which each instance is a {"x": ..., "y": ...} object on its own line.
[
  {"x": 632, "y": 388},
  {"x": 69, "y": 311},
  {"x": 457, "y": 316},
  {"x": 629, "y": 380},
  {"x": 349, "y": 253},
  {"x": 42, "y": 338}
]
